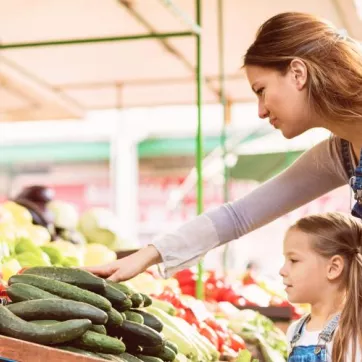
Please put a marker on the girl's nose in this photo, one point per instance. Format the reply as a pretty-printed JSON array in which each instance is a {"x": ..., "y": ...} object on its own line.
[{"x": 283, "y": 271}]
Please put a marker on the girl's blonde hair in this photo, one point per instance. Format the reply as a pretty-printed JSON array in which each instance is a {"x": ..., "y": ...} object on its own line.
[
  {"x": 341, "y": 234},
  {"x": 333, "y": 61}
]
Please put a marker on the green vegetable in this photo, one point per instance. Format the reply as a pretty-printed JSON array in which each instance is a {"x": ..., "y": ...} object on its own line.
[
  {"x": 134, "y": 317},
  {"x": 77, "y": 277},
  {"x": 63, "y": 290},
  {"x": 21, "y": 292},
  {"x": 95, "y": 342},
  {"x": 13, "y": 326},
  {"x": 59, "y": 309}
]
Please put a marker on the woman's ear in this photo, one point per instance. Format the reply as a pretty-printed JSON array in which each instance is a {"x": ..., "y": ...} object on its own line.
[
  {"x": 335, "y": 267},
  {"x": 299, "y": 73}
]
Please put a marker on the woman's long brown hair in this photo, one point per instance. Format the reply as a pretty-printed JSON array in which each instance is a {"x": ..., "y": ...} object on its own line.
[
  {"x": 340, "y": 234},
  {"x": 333, "y": 61}
]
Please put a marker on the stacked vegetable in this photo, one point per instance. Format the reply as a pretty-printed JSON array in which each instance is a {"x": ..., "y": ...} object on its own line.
[{"x": 74, "y": 310}]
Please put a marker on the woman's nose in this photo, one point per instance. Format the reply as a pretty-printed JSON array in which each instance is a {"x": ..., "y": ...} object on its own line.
[{"x": 263, "y": 112}]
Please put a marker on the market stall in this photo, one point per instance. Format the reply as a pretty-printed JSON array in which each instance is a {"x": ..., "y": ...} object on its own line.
[{"x": 56, "y": 71}]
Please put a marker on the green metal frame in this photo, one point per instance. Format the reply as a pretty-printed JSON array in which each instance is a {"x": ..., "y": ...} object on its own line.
[{"x": 195, "y": 31}]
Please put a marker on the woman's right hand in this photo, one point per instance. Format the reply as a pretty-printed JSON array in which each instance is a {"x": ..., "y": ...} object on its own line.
[{"x": 128, "y": 267}]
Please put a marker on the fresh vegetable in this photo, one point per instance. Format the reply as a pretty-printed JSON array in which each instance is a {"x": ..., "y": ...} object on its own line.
[
  {"x": 63, "y": 290},
  {"x": 77, "y": 277},
  {"x": 13, "y": 326},
  {"x": 95, "y": 342},
  {"x": 150, "y": 320},
  {"x": 59, "y": 309},
  {"x": 134, "y": 317},
  {"x": 21, "y": 292}
]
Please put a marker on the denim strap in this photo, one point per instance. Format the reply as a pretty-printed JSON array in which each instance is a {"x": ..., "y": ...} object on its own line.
[
  {"x": 329, "y": 329},
  {"x": 298, "y": 330}
]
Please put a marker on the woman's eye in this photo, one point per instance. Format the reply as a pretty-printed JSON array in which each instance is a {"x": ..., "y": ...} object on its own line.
[{"x": 260, "y": 91}]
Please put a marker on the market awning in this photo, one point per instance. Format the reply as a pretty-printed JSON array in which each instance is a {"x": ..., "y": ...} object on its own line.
[{"x": 60, "y": 58}]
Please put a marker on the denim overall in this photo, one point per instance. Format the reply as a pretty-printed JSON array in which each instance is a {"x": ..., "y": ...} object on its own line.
[
  {"x": 315, "y": 353},
  {"x": 355, "y": 177}
]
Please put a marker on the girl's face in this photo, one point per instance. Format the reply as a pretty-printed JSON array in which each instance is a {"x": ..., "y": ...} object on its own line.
[
  {"x": 282, "y": 98},
  {"x": 304, "y": 271}
]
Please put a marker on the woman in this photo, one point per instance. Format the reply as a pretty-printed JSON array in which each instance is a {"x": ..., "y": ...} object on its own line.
[{"x": 305, "y": 75}]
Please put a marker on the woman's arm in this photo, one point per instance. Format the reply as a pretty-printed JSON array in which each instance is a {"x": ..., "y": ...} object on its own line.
[{"x": 315, "y": 173}]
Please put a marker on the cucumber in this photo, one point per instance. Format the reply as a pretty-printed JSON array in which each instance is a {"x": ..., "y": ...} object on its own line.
[
  {"x": 79, "y": 278},
  {"x": 134, "y": 348},
  {"x": 166, "y": 354},
  {"x": 147, "y": 301},
  {"x": 171, "y": 345},
  {"x": 111, "y": 357},
  {"x": 137, "y": 300},
  {"x": 22, "y": 292},
  {"x": 134, "y": 317},
  {"x": 130, "y": 358},
  {"x": 63, "y": 290},
  {"x": 149, "y": 358},
  {"x": 59, "y": 309},
  {"x": 98, "y": 328},
  {"x": 114, "y": 318},
  {"x": 145, "y": 336},
  {"x": 95, "y": 342},
  {"x": 150, "y": 320},
  {"x": 13, "y": 326},
  {"x": 122, "y": 287},
  {"x": 117, "y": 298},
  {"x": 78, "y": 351}
]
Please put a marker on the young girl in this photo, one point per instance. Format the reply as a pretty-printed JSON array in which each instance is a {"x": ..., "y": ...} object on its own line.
[{"x": 323, "y": 267}]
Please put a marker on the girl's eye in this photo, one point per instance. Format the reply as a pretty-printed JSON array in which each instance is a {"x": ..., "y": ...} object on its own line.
[
  {"x": 260, "y": 91},
  {"x": 293, "y": 261}
]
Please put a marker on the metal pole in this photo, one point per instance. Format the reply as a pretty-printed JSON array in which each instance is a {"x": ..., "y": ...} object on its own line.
[
  {"x": 182, "y": 15},
  {"x": 199, "y": 143},
  {"x": 93, "y": 40},
  {"x": 225, "y": 110}
]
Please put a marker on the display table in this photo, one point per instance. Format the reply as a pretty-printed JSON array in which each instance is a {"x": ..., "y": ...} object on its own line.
[{"x": 21, "y": 351}]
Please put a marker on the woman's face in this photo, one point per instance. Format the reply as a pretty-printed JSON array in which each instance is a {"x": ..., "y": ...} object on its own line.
[{"x": 282, "y": 98}]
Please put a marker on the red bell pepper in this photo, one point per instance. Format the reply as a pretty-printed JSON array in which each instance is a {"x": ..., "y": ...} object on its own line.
[{"x": 209, "y": 333}]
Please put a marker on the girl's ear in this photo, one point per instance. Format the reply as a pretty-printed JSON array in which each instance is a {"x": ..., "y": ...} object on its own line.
[{"x": 335, "y": 267}]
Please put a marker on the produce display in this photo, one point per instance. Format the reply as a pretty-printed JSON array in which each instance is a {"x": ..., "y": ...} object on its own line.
[
  {"x": 145, "y": 319},
  {"x": 74, "y": 310}
]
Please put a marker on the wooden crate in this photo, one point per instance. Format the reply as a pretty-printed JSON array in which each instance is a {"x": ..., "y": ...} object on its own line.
[{"x": 21, "y": 351}]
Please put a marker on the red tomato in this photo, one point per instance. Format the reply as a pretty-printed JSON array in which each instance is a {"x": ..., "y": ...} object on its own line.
[
  {"x": 215, "y": 325},
  {"x": 236, "y": 342},
  {"x": 209, "y": 333},
  {"x": 190, "y": 317}
]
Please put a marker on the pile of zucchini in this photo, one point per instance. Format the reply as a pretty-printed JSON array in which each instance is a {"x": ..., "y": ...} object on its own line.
[{"x": 74, "y": 310}]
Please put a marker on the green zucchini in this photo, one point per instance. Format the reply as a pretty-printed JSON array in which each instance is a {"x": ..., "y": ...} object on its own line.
[
  {"x": 149, "y": 358},
  {"x": 78, "y": 277},
  {"x": 134, "y": 317},
  {"x": 166, "y": 354},
  {"x": 117, "y": 298},
  {"x": 22, "y": 292},
  {"x": 13, "y": 326},
  {"x": 135, "y": 348},
  {"x": 78, "y": 351},
  {"x": 137, "y": 300},
  {"x": 114, "y": 318},
  {"x": 122, "y": 287},
  {"x": 130, "y": 358},
  {"x": 147, "y": 301},
  {"x": 98, "y": 328},
  {"x": 95, "y": 342},
  {"x": 59, "y": 309},
  {"x": 145, "y": 336},
  {"x": 150, "y": 320},
  {"x": 63, "y": 290},
  {"x": 171, "y": 345}
]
